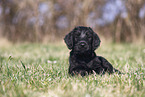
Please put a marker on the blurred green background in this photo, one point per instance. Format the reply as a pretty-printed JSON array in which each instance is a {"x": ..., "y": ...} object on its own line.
[{"x": 49, "y": 20}]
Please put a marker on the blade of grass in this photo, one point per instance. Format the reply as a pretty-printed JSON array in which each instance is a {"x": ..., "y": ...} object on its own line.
[{"x": 23, "y": 65}]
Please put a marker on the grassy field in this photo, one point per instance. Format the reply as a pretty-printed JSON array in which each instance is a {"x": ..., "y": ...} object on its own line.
[{"x": 40, "y": 70}]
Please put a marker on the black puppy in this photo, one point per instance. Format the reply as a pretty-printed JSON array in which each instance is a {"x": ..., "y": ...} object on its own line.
[{"x": 83, "y": 41}]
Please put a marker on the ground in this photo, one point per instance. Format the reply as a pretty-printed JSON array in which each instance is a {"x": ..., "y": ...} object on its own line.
[{"x": 41, "y": 70}]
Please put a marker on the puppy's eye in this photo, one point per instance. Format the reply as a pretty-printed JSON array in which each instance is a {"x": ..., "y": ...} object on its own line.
[
  {"x": 76, "y": 37},
  {"x": 78, "y": 33},
  {"x": 88, "y": 35}
]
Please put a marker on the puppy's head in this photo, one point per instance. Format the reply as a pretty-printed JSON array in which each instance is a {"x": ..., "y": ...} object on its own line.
[{"x": 82, "y": 39}]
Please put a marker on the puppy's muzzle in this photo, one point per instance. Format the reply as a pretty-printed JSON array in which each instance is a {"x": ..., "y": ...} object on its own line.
[{"x": 82, "y": 45}]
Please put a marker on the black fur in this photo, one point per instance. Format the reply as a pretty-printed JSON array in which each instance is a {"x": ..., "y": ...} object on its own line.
[{"x": 83, "y": 41}]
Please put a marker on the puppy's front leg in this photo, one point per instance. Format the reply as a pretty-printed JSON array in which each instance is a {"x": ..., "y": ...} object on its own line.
[{"x": 77, "y": 70}]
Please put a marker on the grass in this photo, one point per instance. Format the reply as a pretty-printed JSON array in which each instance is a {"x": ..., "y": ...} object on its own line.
[{"x": 40, "y": 70}]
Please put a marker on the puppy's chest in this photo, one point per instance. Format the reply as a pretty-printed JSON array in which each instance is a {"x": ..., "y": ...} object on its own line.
[{"x": 81, "y": 60}]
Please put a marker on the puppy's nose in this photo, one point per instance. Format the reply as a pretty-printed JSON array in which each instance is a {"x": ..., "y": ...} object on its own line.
[{"x": 82, "y": 44}]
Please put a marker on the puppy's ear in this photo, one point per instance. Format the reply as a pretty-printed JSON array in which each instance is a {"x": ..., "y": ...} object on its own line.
[
  {"x": 96, "y": 40},
  {"x": 69, "y": 40}
]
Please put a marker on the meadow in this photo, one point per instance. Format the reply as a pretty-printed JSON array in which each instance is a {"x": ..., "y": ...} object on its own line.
[{"x": 41, "y": 70}]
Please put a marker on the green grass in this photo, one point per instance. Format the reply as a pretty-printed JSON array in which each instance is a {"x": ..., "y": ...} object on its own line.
[{"x": 40, "y": 70}]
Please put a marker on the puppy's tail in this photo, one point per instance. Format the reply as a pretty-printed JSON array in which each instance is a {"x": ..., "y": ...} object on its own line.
[{"x": 117, "y": 71}]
